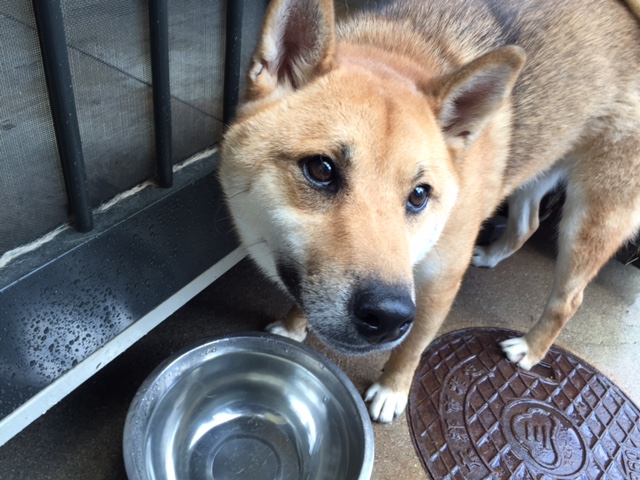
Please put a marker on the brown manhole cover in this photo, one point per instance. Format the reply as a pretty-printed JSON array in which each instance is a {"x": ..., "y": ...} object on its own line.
[{"x": 474, "y": 415}]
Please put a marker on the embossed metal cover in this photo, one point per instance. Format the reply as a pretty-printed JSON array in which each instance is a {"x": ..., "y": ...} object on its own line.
[{"x": 474, "y": 415}]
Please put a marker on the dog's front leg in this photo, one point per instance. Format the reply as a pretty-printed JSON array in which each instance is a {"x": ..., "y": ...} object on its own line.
[
  {"x": 293, "y": 325},
  {"x": 434, "y": 296}
]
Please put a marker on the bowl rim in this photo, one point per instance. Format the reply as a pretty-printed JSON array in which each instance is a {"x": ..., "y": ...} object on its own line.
[{"x": 134, "y": 467}]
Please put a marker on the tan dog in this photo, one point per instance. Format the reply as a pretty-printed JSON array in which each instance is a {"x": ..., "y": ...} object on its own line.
[{"x": 366, "y": 157}]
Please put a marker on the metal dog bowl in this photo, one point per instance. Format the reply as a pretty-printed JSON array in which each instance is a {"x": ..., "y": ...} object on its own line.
[{"x": 249, "y": 407}]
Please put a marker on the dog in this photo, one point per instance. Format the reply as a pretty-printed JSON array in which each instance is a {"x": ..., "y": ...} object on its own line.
[{"x": 366, "y": 156}]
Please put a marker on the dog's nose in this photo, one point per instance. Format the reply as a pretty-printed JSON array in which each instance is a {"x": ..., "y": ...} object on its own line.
[{"x": 383, "y": 313}]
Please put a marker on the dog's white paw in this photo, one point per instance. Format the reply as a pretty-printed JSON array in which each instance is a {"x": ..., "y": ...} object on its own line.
[
  {"x": 483, "y": 257},
  {"x": 517, "y": 351},
  {"x": 278, "y": 328},
  {"x": 386, "y": 404}
]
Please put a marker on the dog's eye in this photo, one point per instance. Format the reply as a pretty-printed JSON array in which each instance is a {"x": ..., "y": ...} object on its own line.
[
  {"x": 418, "y": 198},
  {"x": 319, "y": 170}
]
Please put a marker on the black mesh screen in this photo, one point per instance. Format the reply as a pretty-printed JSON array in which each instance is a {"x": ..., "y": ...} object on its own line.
[
  {"x": 32, "y": 194},
  {"x": 109, "y": 56},
  {"x": 251, "y": 26},
  {"x": 196, "y": 66},
  {"x": 108, "y": 44}
]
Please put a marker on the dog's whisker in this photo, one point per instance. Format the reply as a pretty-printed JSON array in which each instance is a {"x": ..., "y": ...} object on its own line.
[
  {"x": 294, "y": 260},
  {"x": 240, "y": 192}
]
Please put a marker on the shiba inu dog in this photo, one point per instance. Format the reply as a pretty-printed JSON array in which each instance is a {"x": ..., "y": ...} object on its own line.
[{"x": 366, "y": 156}]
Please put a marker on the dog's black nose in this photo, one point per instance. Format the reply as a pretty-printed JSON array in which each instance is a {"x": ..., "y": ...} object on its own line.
[{"x": 383, "y": 313}]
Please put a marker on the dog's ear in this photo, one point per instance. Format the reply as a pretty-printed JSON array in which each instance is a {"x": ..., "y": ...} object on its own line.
[
  {"x": 467, "y": 98},
  {"x": 297, "y": 45}
]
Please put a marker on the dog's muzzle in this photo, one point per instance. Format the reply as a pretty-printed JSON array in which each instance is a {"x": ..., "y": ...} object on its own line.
[{"x": 382, "y": 313}]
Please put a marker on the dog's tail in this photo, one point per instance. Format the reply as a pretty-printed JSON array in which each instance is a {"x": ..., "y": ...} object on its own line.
[{"x": 634, "y": 6}]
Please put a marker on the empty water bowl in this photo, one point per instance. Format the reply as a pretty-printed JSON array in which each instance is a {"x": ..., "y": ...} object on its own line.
[{"x": 248, "y": 407}]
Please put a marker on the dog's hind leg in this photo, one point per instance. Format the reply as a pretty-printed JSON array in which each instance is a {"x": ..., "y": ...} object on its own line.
[
  {"x": 601, "y": 212},
  {"x": 522, "y": 222},
  {"x": 293, "y": 326}
]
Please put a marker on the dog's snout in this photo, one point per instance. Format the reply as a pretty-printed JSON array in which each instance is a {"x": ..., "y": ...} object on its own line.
[{"x": 383, "y": 313}]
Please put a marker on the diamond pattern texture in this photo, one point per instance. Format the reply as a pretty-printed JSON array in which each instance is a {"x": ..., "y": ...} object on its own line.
[{"x": 474, "y": 415}]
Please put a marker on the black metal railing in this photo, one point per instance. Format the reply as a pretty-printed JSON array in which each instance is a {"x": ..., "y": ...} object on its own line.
[
  {"x": 159, "y": 39},
  {"x": 60, "y": 85},
  {"x": 53, "y": 44},
  {"x": 233, "y": 59}
]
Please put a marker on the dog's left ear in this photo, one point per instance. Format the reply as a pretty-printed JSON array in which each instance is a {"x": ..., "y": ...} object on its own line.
[
  {"x": 467, "y": 99},
  {"x": 297, "y": 45}
]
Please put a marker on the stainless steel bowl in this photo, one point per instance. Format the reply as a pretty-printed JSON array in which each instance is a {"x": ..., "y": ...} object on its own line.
[{"x": 248, "y": 407}]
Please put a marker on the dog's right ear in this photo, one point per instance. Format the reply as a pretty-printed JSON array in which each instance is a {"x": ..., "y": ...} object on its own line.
[
  {"x": 468, "y": 98},
  {"x": 297, "y": 45}
]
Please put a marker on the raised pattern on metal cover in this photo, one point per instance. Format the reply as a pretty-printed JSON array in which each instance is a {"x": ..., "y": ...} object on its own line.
[{"x": 475, "y": 415}]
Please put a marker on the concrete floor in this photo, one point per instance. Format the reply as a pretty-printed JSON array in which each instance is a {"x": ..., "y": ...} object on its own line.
[{"x": 81, "y": 437}]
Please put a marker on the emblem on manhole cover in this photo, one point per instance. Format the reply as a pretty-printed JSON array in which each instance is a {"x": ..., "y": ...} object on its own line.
[
  {"x": 474, "y": 415},
  {"x": 543, "y": 437}
]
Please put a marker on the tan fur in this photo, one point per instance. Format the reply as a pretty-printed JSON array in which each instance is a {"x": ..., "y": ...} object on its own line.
[
  {"x": 634, "y": 5},
  {"x": 431, "y": 92}
]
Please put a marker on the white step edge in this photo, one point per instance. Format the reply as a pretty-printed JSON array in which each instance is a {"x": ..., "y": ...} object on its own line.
[{"x": 53, "y": 393}]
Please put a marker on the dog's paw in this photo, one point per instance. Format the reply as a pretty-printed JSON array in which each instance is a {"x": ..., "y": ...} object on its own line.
[
  {"x": 483, "y": 257},
  {"x": 386, "y": 404},
  {"x": 278, "y": 328},
  {"x": 517, "y": 351}
]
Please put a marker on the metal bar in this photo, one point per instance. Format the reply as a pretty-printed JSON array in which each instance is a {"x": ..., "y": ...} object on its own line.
[
  {"x": 159, "y": 34},
  {"x": 53, "y": 45},
  {"x": 233, "y": 59}
]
